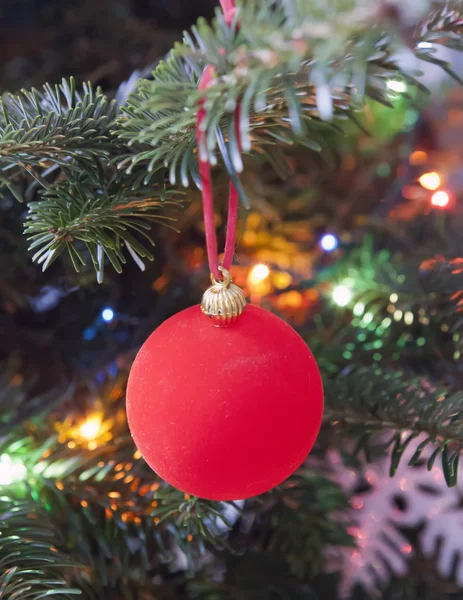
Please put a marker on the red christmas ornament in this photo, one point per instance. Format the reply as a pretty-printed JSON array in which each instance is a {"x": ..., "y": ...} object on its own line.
[{"x": 224, "y": 413}]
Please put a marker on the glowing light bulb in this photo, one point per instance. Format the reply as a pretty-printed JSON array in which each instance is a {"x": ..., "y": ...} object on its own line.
[
  {"x": 359, "y": 309},
  {"x": 409, "y": 318},
  {"x": 257, "y": 274},
  {"x": 90, "y": 428},
  {"x": 397, "y": 86},
  {"x": 419, "y": 157},
  {"x": 341, "y": 295},
  {"x": 430, "y": 181},
  {"x": 440, "y": 199},
  {"x": 329, "y": 242},
  {"x": 11, "y": 470},
  {"x": 107, "y": 314},
  {"x": 368, "y": 318}
]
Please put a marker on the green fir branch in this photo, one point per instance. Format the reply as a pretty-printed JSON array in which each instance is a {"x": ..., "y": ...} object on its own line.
[
  {"x": 102, "y": 222},
  {"x": 32, "y": 567},
  {"x": 368, "y": 400},
  {"x": 290, "y": 68},
  {"x": 56, "y": 124},
  {"x": 294, "y": 67}
]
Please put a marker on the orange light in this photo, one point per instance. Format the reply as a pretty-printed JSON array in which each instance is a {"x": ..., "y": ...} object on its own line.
[
  {"x": 440, "y": 199},
  {"x": 430, "y": 181},
  {"x": 419, "y": 157}
]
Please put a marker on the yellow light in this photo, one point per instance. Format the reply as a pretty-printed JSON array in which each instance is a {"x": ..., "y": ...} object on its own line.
[
  {"x": 249, "y": 238},
  {"x": 440, "y": 199},
  {"x": 393, "y": 298},
  {"x": 398, "y": 314},
  {"x": 91, "y": 427},
  {"x": 282, "y": 280},
  {"x": 341, "y": 295},
  {"x": 257, "y": 274},
  {"x": 430, "y": 181}
]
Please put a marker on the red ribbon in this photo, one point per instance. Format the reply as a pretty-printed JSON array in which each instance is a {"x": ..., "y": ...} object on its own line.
[{"x": 228, "y": 7}]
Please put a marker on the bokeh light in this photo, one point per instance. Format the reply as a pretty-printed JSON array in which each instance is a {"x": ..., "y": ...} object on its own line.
[
  {"x": 396, "y": 85},
  {"x": 257, "y": 274},
  {"x": 11, "y": 470},
  {"x": 419, "y": 157},
  {"x": 91, "y": 427},
  {"x": 107, "y": 314},
  {"x": 440, "y": 199},
  {"x": 430, "y": 181},
  {"x": 341, "y": 295},
  {"x": 329, "y": 242}
]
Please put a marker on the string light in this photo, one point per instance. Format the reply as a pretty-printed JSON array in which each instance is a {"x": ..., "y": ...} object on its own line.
[
  {"x": 90, "y": 428},
  {"x": 107, "y": 314},
  {"x": 258, "y": 273},
  {"x": 408, "y": 318},
  {"x": 258, "y": 281},
  {"x": 11, "y": 470},
  {"x": 397, "y": 86},
  {"x": 359, "y": 309},
  {"x": 341, "y": 295},
  {"x": 430, "y": 181},
  {"x": 419, "y": 157},
  {"x": 440, "y": 199},
  {"x": 329, "y": 242},
  {"x": 368, "y": 318}
]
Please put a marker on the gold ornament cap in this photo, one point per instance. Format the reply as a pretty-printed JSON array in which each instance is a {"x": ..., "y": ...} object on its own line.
[{"x": 224, "y": 301}]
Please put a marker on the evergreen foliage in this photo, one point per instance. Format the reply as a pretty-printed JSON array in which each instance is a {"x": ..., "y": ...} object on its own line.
[{"x": 94, "y": 176}]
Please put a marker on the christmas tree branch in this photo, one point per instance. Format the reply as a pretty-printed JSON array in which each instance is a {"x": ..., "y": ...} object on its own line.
[
  {"x": 289, "y": 85},
  {"x": 57, "y": 124},
  {"x": 369, "y": 400},
  {"x": 290, "y": 74},
  {"x": 103, "y": 219},
  {"x": 31, "y": 565}
]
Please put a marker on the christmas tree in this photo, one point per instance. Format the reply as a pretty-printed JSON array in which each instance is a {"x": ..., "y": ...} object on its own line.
[{"x": 348, "y": 174}]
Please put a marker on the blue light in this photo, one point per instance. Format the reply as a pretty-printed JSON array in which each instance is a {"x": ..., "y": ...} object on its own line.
[
  {"x": 329, "y": 242},
  {"x": 107, "y": 314},
  {"x": 89, "y": 334}
]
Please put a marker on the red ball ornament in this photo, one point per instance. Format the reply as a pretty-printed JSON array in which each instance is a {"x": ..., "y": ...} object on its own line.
[{"x": 224, "y": 413}]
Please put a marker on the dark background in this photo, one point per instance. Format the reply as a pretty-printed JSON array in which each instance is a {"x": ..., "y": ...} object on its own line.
[{"x": 103, "y": 41}]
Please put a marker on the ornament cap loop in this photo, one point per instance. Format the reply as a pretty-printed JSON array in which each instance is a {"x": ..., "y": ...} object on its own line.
[
  {"x": 224, "y": 301},
  {"x": 225, "y": 282}
]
